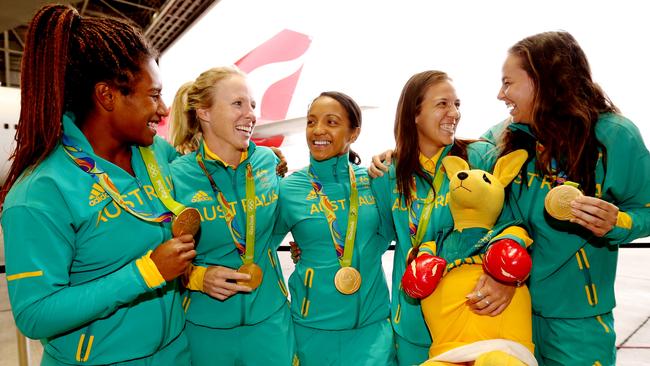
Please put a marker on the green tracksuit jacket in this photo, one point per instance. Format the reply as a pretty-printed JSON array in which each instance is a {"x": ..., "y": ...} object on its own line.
[
  {"x": 215, "y": 244},
  {"x": 407, "y": 318},
  {"x": 75, "y": 270},
  {"x": 315, "y": 301},
  {"x": 573, "y": 271}
]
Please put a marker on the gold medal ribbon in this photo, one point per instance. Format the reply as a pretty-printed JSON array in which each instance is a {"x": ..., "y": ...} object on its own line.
[
  {"x": 245, "y": 244},
  {"x": 86, "y": 163},
  {"x": 344, "y": 250},
  {"x": 418, "y": 222},
  {"x": 158, "y": 182}
]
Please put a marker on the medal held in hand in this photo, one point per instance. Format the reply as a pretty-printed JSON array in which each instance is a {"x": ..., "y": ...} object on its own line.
[
  {"x": 347, "y": 279},
  {"x": 558, "y": 201},
  {"x": 244, "y": 243},
  {"x": 188, "y": 221},
  {"x": 254, "y": 271}
]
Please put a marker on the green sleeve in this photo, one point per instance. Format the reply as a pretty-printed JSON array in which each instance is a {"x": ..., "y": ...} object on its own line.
[
  {"x": 166, "y": 148},
  {"x": 382, "y": 190},
  {"x": 281, "y": 227},
  {"x": 493, "y": 134},
  {"x": 628, "y": 184},
  {"x": 482, "y": 155},
  {"x": 39, "y": 249}
]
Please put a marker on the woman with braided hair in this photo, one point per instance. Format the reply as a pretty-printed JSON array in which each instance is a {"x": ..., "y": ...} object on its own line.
[{"x": 86, "y": 203}]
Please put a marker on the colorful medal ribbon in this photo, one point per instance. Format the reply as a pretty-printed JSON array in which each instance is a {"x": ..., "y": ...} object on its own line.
[
  {"x": 344, "y": 249},
  {"x": 418, "y": 216},
  {"x": 245, "y": 245},
  {"x": 88, "y": 165},
  {"x": 158, "y": 182}
]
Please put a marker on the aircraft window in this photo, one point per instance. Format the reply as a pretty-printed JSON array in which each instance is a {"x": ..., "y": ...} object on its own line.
[{"x": 6, "y": 126}]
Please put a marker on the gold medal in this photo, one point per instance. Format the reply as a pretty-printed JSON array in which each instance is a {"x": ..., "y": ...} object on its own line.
[
  {"x": 347, "y": 280},
  {"x": 256, "y": 275},
  {"x": 186, "y": 222},
  {"x": 558, "y": 201}
]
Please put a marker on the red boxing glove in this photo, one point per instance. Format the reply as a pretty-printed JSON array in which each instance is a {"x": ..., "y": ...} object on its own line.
[
  {"x": 507, "y": 261},
  {"x": 422, "y": 275}
]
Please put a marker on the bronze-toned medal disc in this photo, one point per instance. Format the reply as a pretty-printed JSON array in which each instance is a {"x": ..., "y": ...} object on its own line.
[
  {"x": 187, "y": 222},
  {"x": 256, "y": 275},
  {"x": 347, "y": 280},
  {"x": 558, "y": 201}
]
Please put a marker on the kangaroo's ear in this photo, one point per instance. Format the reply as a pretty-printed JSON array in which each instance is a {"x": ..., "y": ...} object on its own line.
[
  {"x": 454, "y": 164},
  {"x": 508, "y": 166}
]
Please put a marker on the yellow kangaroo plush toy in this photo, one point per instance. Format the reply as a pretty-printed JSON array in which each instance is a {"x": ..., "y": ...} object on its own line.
[{"x": 476, "y": 246}]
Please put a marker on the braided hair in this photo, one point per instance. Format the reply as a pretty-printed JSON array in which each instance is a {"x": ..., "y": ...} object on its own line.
[{"x": 65, "y": 56}]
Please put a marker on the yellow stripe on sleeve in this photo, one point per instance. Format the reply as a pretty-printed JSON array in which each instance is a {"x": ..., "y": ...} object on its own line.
[
  {"x": 149, "y": 271},
  {"x": 623, "y": 220},
  {"x": 18, "y": 276},
  {"x": 517, "y": 231},
  {"x": 197, "y": 274}
]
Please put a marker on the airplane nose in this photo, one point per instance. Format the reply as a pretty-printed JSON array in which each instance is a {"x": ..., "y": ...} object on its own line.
[{"x": 462, "y": 175}]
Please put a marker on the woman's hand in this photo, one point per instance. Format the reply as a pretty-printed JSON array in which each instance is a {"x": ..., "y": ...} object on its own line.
[
  {"x": 380, "y": 164},
  {"x": 280, "y": 169},
  {"x": 295, "y": 251},
  {"x": 173, "y": 256},
  {"x": 490, "y": 297},
  {"x": 594, "y": 214},
  {"x": 221, "y": 282}
]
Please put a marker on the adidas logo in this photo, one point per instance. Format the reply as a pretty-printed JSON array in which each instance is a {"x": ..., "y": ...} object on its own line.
[
  {"x": 312, "y": 195},
  {"x": 201, "y": 196},
  {"x": 97, "y": 195},
  {"x": 260, "y": 172}
]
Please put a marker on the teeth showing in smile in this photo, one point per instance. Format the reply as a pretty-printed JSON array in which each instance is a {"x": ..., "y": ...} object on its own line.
[
  {"x": 322, "y": 142},
  {"x": 152, "y": 124},
  {"x": 449, "y": 127},
  {"x": 246, "y": 129},
  {"x": 510, "y": 107}
]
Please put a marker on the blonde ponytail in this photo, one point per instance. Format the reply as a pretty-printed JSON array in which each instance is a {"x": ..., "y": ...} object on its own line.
[{"x": 185, "y": 127}]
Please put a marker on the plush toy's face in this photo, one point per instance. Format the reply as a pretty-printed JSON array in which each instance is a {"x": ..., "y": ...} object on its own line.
[
  {"x": 477, "y": 191},
  {"x": 476, "y": 196}
]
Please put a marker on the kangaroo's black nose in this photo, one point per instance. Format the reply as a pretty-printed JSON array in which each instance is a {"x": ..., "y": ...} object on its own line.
[{"x": 462, "y": 175}]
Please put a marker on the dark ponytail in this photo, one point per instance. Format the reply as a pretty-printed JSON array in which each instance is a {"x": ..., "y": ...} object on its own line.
[{"x": 354, "y": 115}]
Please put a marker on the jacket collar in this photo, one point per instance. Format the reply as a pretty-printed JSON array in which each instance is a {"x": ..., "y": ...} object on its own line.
[{"x": 332, "y": 168}]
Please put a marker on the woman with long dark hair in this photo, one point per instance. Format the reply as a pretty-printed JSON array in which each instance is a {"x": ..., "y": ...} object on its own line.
[
  {"x": 574, "y": 136},
  {"x": 414, "y": 195}
]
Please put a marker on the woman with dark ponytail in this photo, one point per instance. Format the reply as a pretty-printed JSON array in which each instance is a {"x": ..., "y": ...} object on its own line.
[
  {"x": 340, "y": 304},
  {"x": 83, "y": 224}
]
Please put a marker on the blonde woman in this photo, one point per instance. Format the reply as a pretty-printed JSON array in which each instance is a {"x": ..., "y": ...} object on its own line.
[{"x": 237, "y": 309}]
